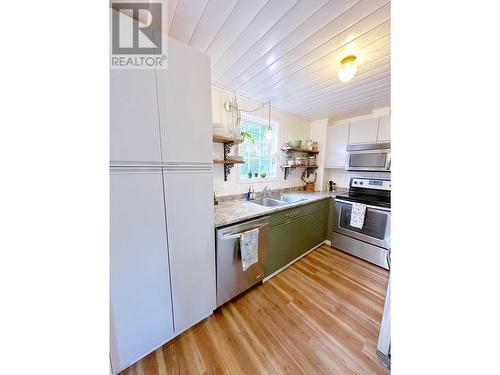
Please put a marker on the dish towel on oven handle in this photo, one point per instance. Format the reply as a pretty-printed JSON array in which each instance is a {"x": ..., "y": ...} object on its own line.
[
  {"x": 249, "y": 247},
  {"x": 358, "y": 215}
]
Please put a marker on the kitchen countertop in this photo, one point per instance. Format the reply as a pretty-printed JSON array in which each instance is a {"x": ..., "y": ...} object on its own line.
[{"x": 231, "y": 212}]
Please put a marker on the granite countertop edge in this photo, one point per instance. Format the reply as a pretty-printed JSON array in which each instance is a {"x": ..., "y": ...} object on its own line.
[{"x": 236, "y": 211}]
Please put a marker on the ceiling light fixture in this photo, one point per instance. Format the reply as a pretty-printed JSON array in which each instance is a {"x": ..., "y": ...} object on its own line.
[{"x": 347, "y": 68}]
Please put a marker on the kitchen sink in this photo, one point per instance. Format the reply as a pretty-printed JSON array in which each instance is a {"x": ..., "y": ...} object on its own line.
[
  {"x": 268, "y": 202},
  {"x": 288, "y": 198},
  {"x": 278, "y": 200}
]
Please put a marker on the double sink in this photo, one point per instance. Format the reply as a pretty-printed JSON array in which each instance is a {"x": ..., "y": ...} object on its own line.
[{"x": 278, "y": 200}]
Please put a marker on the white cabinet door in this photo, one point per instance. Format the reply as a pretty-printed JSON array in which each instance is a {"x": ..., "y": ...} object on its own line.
[
  {"x": 191, "y": 243},
  {"x": 185, "y": 105},
  {"x": 363, "y": 131},
  {"x": 134, "y": 125},
  {"x": 336, "y": 142},
  {"x": 384, "y": 129},
  {"x": 141, "y": 305}
]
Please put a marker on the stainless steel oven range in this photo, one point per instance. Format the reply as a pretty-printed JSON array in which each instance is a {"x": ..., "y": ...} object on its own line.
[{"x": 372, "y": 241}]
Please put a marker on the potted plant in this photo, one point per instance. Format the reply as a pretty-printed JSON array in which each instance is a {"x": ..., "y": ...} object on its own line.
[{"x": 309, "y": 179}]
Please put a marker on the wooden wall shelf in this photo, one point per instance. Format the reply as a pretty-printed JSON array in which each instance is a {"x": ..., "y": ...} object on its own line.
[
  {"x": 306, "y": 150},
  {"x": 224, "y": 139},
  {"x": 228, "y": 161},
  {"x": 227, "y": 142},
  {"x": 300, "y": 166}
]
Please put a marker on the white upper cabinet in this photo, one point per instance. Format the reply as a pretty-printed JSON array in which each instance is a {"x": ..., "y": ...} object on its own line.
[
  {"x": 134, "y": 126},
  {"x": 364, "y": 131},
  {"x": 384, "y": 129},
  {"x": 336, "y": 141},
  {"x": 185, "y": 105},
  {"x": 141, "y": 304}
]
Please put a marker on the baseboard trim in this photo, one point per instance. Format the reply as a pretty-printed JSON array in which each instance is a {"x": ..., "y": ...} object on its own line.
[{"x": 293, "y": 261}]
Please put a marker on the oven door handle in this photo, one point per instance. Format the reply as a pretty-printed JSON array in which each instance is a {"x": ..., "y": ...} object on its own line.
[{"x": 367, "y": 205}]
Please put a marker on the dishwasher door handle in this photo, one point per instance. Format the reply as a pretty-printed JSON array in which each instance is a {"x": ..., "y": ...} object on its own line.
[{"x": 230, "y": 236}]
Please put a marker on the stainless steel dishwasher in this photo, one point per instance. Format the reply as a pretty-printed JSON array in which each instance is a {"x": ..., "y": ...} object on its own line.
[{"x": 231, "y": 279}]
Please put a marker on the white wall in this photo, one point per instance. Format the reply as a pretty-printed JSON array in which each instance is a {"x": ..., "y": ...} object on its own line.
[
  {"x": 291, "y": 127},
  {"x": 341, "y": 177},
  {"x": 318, "y": 133}
]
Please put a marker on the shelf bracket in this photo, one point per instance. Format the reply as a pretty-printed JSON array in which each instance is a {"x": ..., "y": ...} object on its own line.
[
  {"x": 289, "y": 153},
  {"x": 227, "y": 148},
  {"x": 227, "y": 170},
  {"x": 288, "y": 171}
]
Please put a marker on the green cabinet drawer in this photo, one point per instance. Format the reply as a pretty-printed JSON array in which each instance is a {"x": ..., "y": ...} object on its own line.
[
  {"x": 296, "y": 212},
  {"x": 278, "y": 252}
]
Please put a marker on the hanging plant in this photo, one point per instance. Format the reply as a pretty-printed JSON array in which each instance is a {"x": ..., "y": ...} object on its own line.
[{"x": 248, "y": 136}]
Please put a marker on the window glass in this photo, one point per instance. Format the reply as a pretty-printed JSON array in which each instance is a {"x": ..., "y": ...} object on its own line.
[{"x": 260, "y": 156}]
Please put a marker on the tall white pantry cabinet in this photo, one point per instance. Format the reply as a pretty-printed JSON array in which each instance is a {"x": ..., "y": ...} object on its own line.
[{"x": 162, "y": 259}]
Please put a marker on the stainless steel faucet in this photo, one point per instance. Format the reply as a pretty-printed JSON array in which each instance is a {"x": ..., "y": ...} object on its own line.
[{"x": 266, "y": 191}]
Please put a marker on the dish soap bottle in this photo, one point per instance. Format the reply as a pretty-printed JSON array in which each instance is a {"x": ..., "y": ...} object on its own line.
[{"x": 249, "y": 194}]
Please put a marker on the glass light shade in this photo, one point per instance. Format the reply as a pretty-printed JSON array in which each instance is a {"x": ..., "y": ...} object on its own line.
[
  {"x": 348, "y": 68},
  {"x": 269, "y": 133}
]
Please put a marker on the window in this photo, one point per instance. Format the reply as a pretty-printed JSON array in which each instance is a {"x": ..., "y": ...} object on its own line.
[{"x": 260, "y": 156}]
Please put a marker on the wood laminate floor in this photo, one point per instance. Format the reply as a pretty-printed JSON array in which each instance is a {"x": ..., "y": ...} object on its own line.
[{"x": 319, "y": 316}]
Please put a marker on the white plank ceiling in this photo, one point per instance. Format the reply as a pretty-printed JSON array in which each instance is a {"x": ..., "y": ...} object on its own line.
[{"x": 288, "y": 51}]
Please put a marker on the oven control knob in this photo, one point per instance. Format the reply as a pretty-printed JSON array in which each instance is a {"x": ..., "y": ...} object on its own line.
[
  {"x": 361, "y": 182},
  {"x": 355, "y": 182}
]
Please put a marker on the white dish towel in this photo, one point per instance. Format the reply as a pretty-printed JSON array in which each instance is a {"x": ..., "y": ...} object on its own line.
[
  {"x": 358, "y": 215},
  {"x": 249, "y": 246}
]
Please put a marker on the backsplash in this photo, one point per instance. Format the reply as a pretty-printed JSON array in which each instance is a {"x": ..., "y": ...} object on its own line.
[
  {"x": 341, "y": 177},
  {"x": 291, "y": 127},
  {"x": 234, "y": 197}
]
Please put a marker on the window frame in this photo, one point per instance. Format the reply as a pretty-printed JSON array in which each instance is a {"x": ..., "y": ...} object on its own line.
[{"x": 275, "y": 143}]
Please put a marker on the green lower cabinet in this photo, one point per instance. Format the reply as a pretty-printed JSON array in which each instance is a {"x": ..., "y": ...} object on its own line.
[
  {"x": 278, "y": 252},
  {"x": 331, "y": 218},
  {"x": 291, "y": 239}
]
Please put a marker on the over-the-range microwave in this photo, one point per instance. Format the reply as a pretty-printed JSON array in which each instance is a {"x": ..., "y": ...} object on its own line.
[{"x": 370, "y": 157}]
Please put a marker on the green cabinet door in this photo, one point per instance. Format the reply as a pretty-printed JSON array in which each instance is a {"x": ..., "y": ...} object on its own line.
[
  {"x": 331, "y": 218},
  {"x": 308, "y": 231},
  {"x": 278, "y": 252},
  {"x": 294, "y": 232},
  {"x": 301, "y": 233},
  {"x": 319, "y": 231}
]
